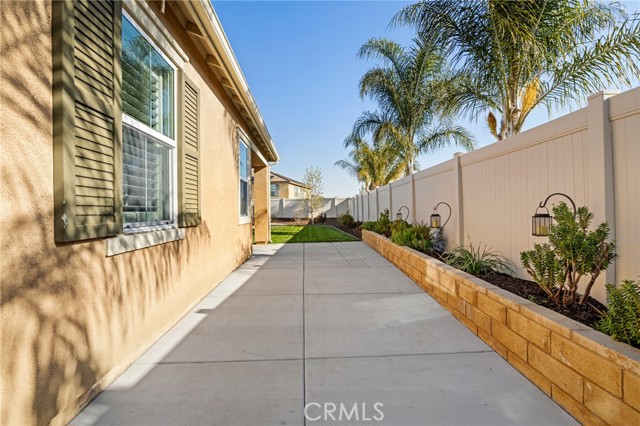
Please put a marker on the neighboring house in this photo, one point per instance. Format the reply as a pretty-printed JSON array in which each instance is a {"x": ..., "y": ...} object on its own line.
[
  {"x": 284, "y": 187},
  {"x": 129, "y": 138}
]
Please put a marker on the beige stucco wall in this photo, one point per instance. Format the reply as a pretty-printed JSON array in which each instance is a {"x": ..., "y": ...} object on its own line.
[{"x": 72, "y": 318}]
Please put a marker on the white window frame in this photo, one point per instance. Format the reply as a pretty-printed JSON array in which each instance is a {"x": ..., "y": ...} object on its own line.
[
  {"x": 171, "y": 143},
  {"x": 244, "y": 219}
]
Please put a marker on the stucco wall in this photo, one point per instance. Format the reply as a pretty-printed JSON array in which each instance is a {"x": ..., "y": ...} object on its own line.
[{"x": 72, "y": 318}]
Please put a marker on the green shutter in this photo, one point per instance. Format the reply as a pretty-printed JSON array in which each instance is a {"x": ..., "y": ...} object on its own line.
[
  {"x": 87, "y": 117},
  {"x": 189, "y": 155}
]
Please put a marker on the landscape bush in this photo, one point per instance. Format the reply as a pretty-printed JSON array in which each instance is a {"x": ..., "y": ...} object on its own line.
[
  {"x": 478, "y": 261},
  {"x": 347, "y": 220},
  {"x": 622, "y": 317},
  {"x": 573, "y": 252},
  {"x": 403, "y": 236}
]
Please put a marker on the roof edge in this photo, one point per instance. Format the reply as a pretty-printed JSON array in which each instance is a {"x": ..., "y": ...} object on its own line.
[{"x": 216, "y": 35}]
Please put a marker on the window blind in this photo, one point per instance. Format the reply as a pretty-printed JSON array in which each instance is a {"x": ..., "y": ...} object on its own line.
[{"x": 146, "y": 179}]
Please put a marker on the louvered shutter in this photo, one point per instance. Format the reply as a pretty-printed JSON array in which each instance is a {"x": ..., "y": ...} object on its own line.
[
  {"x": 87, "y": 119},
  {"x": 189, "y": 156}
]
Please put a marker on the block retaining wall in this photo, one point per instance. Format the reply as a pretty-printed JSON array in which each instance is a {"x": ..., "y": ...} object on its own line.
[{"x": 596, "y": 379}]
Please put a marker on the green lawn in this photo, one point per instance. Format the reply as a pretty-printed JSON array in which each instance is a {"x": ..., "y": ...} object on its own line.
[{"x": 308, "y": 234}]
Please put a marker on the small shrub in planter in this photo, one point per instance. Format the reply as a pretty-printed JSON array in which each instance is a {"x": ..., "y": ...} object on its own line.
[
  {"x": 383, "y": 225},
  {"x": 347, "y": 220},
  {"x": 321, "y": 218},
  {"x": 573, "y": 252},
  {"x": 368, "y": 226},
  {"x": 399, "y": 225},
  {"x": 478, "y": 261},
  {"x": 403, "y": 236},
  {"x": 417, "y": 237},
  {"x": 622, "y": 318}
]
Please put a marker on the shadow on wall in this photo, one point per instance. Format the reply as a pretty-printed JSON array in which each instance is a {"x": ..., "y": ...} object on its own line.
[
  {"x": 66, "y": 309},
  {"x": 68, "y": 313}
]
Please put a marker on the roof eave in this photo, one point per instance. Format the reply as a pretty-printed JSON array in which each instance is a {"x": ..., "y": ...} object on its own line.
[{"x": 209, "y": 31}]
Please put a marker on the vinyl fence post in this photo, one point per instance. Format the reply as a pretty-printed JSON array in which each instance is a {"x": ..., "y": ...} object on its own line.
[
  {"x": 414, "y": 216},
  {"x": 601, "y": 190},
  {"x": 458, "y": 200}
]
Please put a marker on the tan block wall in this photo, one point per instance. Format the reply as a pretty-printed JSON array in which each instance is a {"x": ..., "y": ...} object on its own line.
[
  {"x": 72, "y": 318},
  {"x": 596, "y": 379}
]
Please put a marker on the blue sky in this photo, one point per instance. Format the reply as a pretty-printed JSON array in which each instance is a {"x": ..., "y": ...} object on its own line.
[{"x": 299, "y": 58}]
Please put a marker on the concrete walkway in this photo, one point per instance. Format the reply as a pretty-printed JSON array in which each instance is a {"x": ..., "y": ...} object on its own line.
[{"x": 321, "y": 325}]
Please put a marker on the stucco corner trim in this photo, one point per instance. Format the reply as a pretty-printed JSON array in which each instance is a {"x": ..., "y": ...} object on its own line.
[{"x": 125, "y": 243}]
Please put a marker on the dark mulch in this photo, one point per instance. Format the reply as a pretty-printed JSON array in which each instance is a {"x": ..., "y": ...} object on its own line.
[
  {"x": 585, "y": 314},
  {"x": 355, "y": 230}
]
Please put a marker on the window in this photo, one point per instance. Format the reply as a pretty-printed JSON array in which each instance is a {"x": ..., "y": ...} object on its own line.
[
  {"x": 115, "y": 150},
  {"x": 245, "y": 176},
  {"x": 149, "y": 141},
  {"x": 275, "y": 190}
]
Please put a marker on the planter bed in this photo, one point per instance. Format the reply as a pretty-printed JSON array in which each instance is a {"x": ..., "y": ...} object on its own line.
[
  {"x": 586, "y": 314},
  {"x": 594, "y": 378}
]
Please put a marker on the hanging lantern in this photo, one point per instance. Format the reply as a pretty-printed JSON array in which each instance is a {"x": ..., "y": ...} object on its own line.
[
  {"x": 435, "y": 221},
  {"x": 541, "y": 223},
  {"x": 399, "y": 213}
]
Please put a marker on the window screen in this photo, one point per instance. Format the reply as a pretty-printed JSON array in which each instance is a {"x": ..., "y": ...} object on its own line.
[{"x": 147, "y": 82}]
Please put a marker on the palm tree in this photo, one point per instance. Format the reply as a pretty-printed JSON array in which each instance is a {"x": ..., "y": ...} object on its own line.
[
  {"x": 407, "y": 87},
  {"x": 373, "y": 165},
  {"x": 511, "y": 56}
]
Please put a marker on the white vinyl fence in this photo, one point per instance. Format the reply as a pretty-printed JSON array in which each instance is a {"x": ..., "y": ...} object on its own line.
[
  {"x": 295, "y": 208},
  {"x": 592, "y": 155}
]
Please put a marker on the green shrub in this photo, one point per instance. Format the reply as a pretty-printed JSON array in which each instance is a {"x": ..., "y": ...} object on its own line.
[
  {"x": 573, "y": 252},
  {"x": 403, "y": 236},
  {"x": 399, "y": 225},
  {"x": 478, "y": 261},
  {"x": 622, "y": 318},
  {"x": 369, "y": 226},
  {"x": 417, "y": 237},
  {"x": 383, "y": 225},
  {"x": 347, "y": 220}
]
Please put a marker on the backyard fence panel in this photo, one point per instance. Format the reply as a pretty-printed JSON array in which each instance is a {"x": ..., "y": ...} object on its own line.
[
  {"x": 402, "y": 196},
  {"x": 373, "y": 202},
  {"x": 275, "y": 208},
  {"x": 383, "y": 200},
  {"x": 432, "y": 186},
  {"x": 342, "y": 206},
  {"x": 502, "y": 184},
  {"x": 624, "y": 112},
  {"x": 295, "y": 208},
  {"x": 502, "y": 188}
]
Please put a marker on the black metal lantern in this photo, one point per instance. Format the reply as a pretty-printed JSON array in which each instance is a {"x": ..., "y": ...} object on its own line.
[
  {"x": 435, "y": 221},
  {"x": 399, "y": 213},
  {"x": 541, "y": 222}
]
